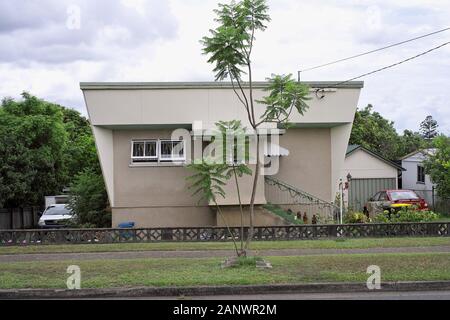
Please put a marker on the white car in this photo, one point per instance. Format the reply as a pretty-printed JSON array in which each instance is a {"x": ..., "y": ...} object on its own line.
[{"x": 56, "y": 216}]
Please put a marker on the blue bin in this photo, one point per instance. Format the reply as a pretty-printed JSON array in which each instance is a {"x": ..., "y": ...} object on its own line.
[
  {"x": 126, "y": 235},
  {"x": 126, "y": 225}
]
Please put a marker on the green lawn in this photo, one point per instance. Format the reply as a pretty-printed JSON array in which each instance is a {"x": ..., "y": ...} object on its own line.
[
  {"x": 170, "y": 246},
  {"x": 190, "y": 272}
]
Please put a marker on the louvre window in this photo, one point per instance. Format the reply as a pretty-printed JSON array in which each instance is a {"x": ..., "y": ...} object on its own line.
[
  {"x": 148, "y": 151},
  {"x": 172, "y": 150}
]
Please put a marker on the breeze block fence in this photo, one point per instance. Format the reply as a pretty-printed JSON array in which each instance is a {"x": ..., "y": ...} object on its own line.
[
  {"x": 216, "y": 234},
  {"x": 19, "y": 218}
]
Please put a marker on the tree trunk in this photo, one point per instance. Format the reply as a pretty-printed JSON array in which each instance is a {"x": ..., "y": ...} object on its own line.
[
  {"x": 252, "y": 201},
  {"x": 242, "y": 211},
  {"x": 228, "y": 228}
]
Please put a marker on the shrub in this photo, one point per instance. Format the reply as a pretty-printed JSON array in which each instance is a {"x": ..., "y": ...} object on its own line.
[
  {"x": 286, "y": 215},
  {"x": 406, "y": 215},
  {"x": 89, "y": 201},
  {"x": 355, "y": 217}
]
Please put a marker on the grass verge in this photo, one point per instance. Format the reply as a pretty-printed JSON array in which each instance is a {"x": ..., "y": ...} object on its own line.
[
  {"x": 269, "y": 245},
  {"x": 193, "y": 272}
]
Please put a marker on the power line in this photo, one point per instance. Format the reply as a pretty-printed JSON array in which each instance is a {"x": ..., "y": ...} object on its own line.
[
  {"x": 373, "y": 51},
  {"x": 387, "y": 67}
]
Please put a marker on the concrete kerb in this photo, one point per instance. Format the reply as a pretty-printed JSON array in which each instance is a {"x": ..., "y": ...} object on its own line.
[{"x": 219, "y": 290}]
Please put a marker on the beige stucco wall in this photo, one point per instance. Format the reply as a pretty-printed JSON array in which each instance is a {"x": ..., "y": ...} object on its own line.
[
  {"x": 245, "y": 187},
  {"x": 153, "y": 196},
  {"x": 340, "y": 137},
  {"x": 147, "y": 186},
  {"x": 146, "y": 105},
  {"x": 165, "y": 217},
  {"x": 148, "y": 190},
  {"x": 308, "y": 166}
]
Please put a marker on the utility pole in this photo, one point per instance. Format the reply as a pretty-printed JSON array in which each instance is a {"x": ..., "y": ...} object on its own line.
[{"x": 432, "y": 196}]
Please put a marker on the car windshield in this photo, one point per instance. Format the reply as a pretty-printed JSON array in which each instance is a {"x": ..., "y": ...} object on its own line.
[
  {"x": 404, "y": 195},
  {"x": 57, "y": 211}
]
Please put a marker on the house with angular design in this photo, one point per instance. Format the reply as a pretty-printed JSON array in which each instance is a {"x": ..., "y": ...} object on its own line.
[{"x": 146, "y": 134}]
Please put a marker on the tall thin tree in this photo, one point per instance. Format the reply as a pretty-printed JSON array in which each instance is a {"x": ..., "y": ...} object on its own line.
[
  {"x": 230, "y": 47},
  {"x": 428, "y": 128}
]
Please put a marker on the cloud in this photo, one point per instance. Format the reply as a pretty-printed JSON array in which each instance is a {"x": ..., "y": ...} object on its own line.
[
  {"x": 51, "y": 31},
  {"x": 157, "y": 40}
]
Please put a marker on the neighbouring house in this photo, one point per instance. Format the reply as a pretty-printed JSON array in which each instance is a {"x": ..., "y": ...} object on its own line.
[
  {"x": 415, "y": 178},
  {"x": 367, "y": 173},
  {"x": 61, "y": 199},
  {"x": 143, "y": 160}
]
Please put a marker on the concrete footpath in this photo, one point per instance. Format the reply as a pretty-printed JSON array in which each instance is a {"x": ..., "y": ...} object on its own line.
[{"x": 209, "y": 254}]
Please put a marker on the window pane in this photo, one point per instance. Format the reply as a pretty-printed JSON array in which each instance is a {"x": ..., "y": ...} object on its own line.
[
  {"x": 138, "y": 149},
  {"x": 172, "y": 150},
  {"x": 166, "y": 149},
  {"x": 150, "y": 149},
  {"x": 178, "y": 150},
  {"x": 420, "y": 174}
]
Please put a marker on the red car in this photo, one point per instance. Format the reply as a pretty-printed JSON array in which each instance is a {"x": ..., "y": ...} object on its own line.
[{"x": 386, "y": 200}]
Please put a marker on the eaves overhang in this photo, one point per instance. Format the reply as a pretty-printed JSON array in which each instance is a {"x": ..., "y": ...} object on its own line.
[{"x": 208, "y": 85}]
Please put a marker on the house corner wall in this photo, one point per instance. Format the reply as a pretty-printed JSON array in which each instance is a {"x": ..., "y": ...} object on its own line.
[
  {"x": 340, "y": 137},
  {"x": 104, "y": 141}
]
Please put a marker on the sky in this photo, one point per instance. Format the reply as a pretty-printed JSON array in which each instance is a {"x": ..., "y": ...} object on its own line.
[{"x": 49, "y": 46}]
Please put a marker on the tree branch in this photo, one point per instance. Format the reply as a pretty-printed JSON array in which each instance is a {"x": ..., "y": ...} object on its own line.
[{"x": 246, "y": 100}]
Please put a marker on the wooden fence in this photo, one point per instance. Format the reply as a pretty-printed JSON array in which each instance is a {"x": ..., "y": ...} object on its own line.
[
  {"x": 302, "y": 232},
  {"x": 19, "y": 218}
]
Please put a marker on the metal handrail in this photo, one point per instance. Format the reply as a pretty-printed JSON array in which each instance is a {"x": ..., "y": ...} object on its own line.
[{"x": 297, "y": 195}]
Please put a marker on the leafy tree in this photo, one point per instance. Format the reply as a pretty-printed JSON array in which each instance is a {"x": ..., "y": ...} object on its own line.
[
  {"x": 230, "y": 48},
  {"x": 438, "y": 166},
  {"x": 375, "y": 133},
  {"x": 410, "y": 142},
  {"x": 80, "y": 152},
  {"x": 76, "y": 125},
  {"x": 428, "y": 128},
  {"x": 32, "y": 140},
  {"x": 88, "y": 196},
  {"x": 89, "y": 200}
]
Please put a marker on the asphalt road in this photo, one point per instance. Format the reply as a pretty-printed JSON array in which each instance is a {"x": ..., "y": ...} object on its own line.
[{"x": 413, "y": 295}]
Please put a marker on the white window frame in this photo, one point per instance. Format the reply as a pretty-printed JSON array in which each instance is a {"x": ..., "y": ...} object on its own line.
[
  {"x": 144, "y": 158},
  {"x": 420, "y": 167},
  {"x": 172, "y": 158}
]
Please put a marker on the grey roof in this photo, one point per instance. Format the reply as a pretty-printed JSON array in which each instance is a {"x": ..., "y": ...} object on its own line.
[
  {"x": 425, "y": 152},
  {"x": 203, "y": 85},
  {"x": 354, "y": 147}
]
